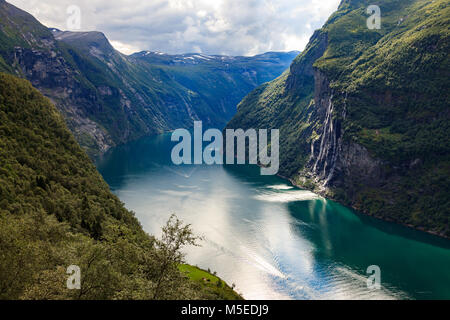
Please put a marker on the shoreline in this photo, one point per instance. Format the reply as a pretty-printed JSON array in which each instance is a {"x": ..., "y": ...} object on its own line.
[{"x": 432, "y": 233}]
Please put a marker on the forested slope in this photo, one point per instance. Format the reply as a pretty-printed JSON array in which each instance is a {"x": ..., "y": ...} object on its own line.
[{"x": 56, "y": 211}]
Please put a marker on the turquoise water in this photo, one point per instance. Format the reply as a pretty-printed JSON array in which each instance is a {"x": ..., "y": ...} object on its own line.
[{"x": 275, "y": 241}]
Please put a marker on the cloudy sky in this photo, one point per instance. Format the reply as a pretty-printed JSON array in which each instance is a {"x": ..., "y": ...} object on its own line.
[{"x": 232, "y": 27}]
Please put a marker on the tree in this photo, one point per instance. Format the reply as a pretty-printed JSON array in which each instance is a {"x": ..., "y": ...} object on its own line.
[{"x": 175, "y": 237}]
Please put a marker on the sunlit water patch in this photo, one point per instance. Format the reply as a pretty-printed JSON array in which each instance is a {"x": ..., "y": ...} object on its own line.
[
  {"x": 275, "y": 241},
  {"x": 287, "y": 196}
]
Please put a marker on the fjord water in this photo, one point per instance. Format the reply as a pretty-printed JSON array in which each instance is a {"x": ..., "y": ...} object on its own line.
[{"x": 275, "y": 241}]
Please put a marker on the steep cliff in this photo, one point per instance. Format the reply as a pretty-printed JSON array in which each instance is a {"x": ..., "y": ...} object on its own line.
[{"x": 364, "y": 113}]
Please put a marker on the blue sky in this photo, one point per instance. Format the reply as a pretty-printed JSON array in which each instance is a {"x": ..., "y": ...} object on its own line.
[{"x": 232, "y": 27}]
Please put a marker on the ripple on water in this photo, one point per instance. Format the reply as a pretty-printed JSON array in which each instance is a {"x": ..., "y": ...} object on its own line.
[{"x": 287, "y": 196}]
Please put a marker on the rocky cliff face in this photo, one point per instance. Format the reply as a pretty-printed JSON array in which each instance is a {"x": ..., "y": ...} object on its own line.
[
  {"x": 363, "y": 113},
  {"x": 49, "y": 72},
  {"x": 332, "y": 159},
  {"x": 31, "y": 51}
]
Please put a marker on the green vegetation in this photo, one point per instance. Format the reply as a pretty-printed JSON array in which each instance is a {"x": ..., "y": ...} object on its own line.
[
  {"x": 56, "y": 211},
  {"x": 217, "y": 287},
  {"x": 387, "y": 93}
]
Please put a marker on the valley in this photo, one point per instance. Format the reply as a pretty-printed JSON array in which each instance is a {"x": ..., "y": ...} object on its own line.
[{"x": 103, "y": 162}]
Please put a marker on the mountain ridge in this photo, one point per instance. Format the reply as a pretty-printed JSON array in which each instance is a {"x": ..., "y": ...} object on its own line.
[
  {"x": 108, "y": 98},
  {"x": 364, "y": 113}
]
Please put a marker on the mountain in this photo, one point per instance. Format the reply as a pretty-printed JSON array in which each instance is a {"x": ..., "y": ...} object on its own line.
[
  {"x": 364, "y": 113},
  {"x": 108, "y": 98},
  {"x": 219, "y": 81},
  {"x": 57, "y": 211}
]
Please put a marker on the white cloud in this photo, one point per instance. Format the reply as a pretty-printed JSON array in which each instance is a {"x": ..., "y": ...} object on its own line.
[
  {"x": 124, "y": 48},
  {"x": 232, "y": 27}
]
